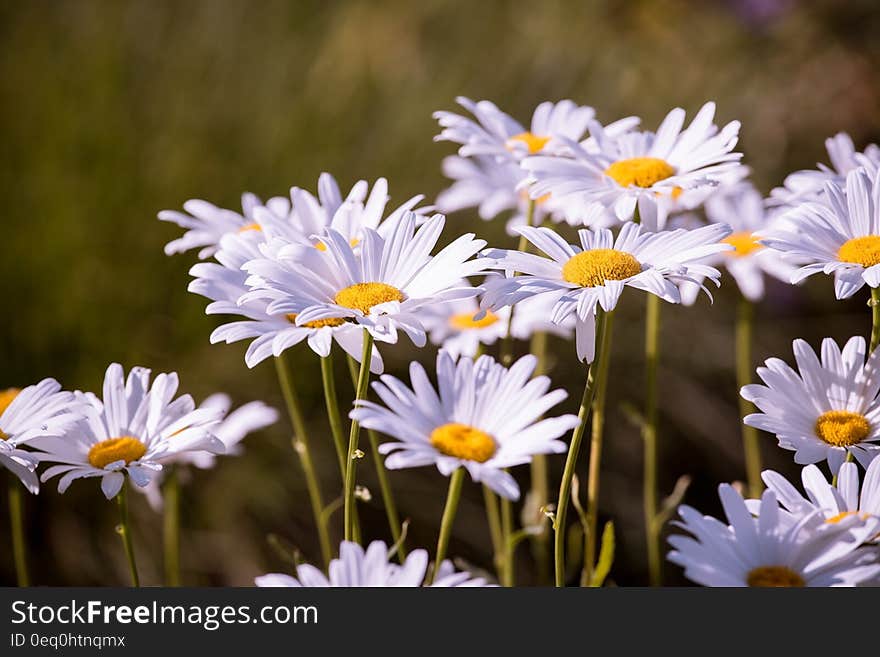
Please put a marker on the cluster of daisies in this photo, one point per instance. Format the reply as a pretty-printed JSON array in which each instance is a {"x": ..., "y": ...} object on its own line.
[{"x": 600, "y": 210}]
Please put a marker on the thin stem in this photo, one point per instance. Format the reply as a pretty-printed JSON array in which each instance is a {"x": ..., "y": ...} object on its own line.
[
  {"x": 352, "y": 456},
  {"x": 751, "y": 445},
  {"x": 649, "y": 435},
  {"x": 384, "y": 483},
  {"x": 493, "y": 518},
  {"x": 571, "y": 460},
  {"x": 171, "y": 526},
  {"x": 540, "y": 475},
  {"x": 452, "y": 498},
  {"x": 875, "y": 318},
  {"x": 301, "y": 447},
  {"x": 506, "y": 351},
  {"x": 596, "y": 449},
  {"x": 124, "y": 531},
  {"x": 507, "y": 570},
  {"x": 16, "y": 525},
  {"x": 332, "y": 403}
]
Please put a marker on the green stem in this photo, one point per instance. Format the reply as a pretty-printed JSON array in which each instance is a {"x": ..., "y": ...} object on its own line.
[
  {"x": 452, "y": 498},
  {"x": 596, "y": 450},
  {"x": 506, "y": 351},
  {"x": 301, "y": 447},
  {"x": 751, "y": 445},
  {"x": 332, "y": 403},
  {"x": 352, "y": 456},
  {"x": 649, "y": 435},
  {"x": 540, "y": 475},
  {"x": 171, "y": 526},
  {"x": 493, "y": 518},
  {"x": 16, "y": 522},
  {"x": 384, "y": 483},
  {"x": 507, "y": 570},
  {"x": 124, "y": 531},
  {"x": 574, "y": 447},
  {"x": 875, "y": 318}
]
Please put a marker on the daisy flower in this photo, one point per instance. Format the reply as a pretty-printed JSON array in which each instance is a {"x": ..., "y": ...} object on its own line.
[
  {"x": 380, "y": 287},
  {"x": 743, "y": 209},
  {"x": 372, "y": 567},
  {"x": 597, "y": 271},
  {"x": 809, "y": 184},
  {"x": 637, "y": 168},
  {"x": 827, "y": 408},
  {"x": 225, "y": 283},
  {"x": 483, "y": 417},
  {"x": 233, "y": 427},
  {"x": 130, "y": 431},
  {"x": 500, "y": 135},
  {"x": 839, "y": 235},
  {"x": 766, "y": 551},
  {"x": 834, "y": 502},
  {"x": 34, "y": 412}
]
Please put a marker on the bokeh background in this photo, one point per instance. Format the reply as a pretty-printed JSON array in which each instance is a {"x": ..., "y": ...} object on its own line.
[{"x": 115, "y": 110}]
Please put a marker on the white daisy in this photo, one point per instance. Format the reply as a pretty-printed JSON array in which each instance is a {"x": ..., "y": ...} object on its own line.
[
  {"x": 232, "y": 429},
  {"x": 130, "y": 432},
  {"x": 743, "y": 209},
  {"x": 485, "y": 418},
  {"x": 36, "y": 411},
  {"x": 380, "y": 287},
  {"x": 225, "y": 283},
  {"x": 206, "y": 224},
  {"x": 637, "y": 168},
  {"x": 838, "y": 235},
  {"x": 834, "y": 502},
  {"x": 825, "y": 409},
  {"x": 808, "y": 184},
  {"x": 597, "y": 271},
  {"x": 372, "y": 567},
  {"x": 495, "y": 133},
  {"x": 766, "y": 551}
]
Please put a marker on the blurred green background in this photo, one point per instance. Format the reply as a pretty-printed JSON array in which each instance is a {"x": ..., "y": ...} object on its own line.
[{"x": 115, "y": 110}]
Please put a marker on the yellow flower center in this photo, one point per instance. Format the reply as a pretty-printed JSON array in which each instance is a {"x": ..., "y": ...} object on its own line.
[
  {"x": 864, "y": 251},
  {"x": 318, "y": 323},
  {"x": 463, "y": 442},
  {"x": 464, "y": 321},
  {"x": 842, "y": 428},
  {"x": 247, "y": 227},
  {"x": 743, "y": 244},
  {"x": 774, "y": 576},
  {"x": 354, "y": 241},
  {"x": 124, "y": 448},
  {"x": 639, "y": 171},
  {"x": 6, "y": 398},
  {"x": 363, "y": 296},
  {"x": 535, "y": 143},
  {"x": 592, "y": 268},
  {"x": 843, "y": 515}
]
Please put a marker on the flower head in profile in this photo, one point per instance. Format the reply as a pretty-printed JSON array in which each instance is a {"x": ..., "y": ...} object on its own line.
[
  {"x": 357, "y": 567},
  {"x": 834, "y": 501},
  {"x": 743, "y": 209},
  {"x": 768, "y": 551},
  {"x": 825, "y": 409},
  {"x": 225, "y": 283},
  {"x": 840, "y": 234},
  {"x": 495, "y": 133},
  {"x": 809, "y": 184},
  {"x": 483, "y": 417},
  {"x": 34, "y": 412},
  {"x": 233, "y": 427},
  {"x": 638, "y": 168},
  {"x": 130, "y": 431},
  {"x": 379, "y": 287},
  {"x": 597, "y": 271}
]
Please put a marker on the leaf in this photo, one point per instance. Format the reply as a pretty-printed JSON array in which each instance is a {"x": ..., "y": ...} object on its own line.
[{"x": 606, "y": 556}]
